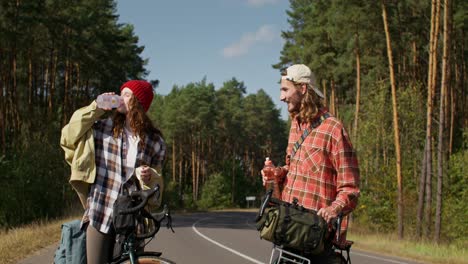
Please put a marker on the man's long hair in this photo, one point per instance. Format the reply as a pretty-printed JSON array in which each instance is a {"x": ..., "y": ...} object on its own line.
[
  {"x": 311, "y": 103},
  {"x": 140, "y": 123}
]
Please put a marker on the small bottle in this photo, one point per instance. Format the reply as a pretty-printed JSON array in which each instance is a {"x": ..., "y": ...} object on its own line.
[
  {"x": 107, "y": 101},
  {"x": 268, "y": 170}
]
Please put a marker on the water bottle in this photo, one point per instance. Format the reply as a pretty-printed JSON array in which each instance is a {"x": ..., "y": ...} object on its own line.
[{"x": 107, "y": 101}]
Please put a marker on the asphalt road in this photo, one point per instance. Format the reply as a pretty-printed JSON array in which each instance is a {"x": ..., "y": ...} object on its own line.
[{"x": 216, "y": 237}]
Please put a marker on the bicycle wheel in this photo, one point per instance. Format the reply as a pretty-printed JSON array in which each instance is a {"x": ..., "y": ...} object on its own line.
[{"x": 147, "y": 258}]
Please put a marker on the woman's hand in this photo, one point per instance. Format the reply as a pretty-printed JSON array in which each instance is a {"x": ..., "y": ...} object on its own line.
[{"x": 145, "y": 174}]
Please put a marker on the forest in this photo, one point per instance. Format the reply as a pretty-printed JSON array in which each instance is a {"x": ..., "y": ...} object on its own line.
[{"x": 395, "y": 73}]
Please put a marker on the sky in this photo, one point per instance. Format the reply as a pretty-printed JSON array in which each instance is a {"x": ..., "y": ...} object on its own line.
[{"x": 188, "y": 40}]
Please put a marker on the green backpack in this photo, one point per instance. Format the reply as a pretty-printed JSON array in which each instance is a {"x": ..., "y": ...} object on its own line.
[{"x": 292, "y": 226}]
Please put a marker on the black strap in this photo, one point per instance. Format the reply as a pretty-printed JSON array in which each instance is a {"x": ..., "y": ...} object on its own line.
[{"x": 315, "y": 124}]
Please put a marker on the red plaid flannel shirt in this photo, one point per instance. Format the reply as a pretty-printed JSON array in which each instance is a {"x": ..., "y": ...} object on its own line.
[{"x": 324, "y": 171}]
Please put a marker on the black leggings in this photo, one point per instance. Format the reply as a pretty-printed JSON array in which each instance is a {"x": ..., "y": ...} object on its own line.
[{"x": 99, "y": 246}]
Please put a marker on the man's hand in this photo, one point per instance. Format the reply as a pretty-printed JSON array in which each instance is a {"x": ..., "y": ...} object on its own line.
[
  {"x": 145, "y": 174},
  {"x": 328, "y": 213},
  {"x": 265, "y": 178}
]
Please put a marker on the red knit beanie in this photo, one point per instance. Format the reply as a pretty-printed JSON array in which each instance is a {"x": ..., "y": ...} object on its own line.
[{"x": 142, "y": 90}]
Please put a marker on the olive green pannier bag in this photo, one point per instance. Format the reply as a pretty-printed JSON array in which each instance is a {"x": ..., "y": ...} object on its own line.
[{"x": 292, "y": 226}]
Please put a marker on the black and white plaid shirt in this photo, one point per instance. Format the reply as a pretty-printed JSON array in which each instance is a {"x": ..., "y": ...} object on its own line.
[{"x": 110, "y": 171}]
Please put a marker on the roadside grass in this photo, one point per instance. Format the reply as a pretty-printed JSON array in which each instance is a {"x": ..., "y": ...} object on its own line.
[
  {"x": 423, "y": 251},
  {"x": 19, "y": 243}
]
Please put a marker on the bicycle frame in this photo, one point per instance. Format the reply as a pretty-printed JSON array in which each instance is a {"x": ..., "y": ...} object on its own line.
[
  {"x": 130, "y": 247},
  {"x": 128, "y": 250}
]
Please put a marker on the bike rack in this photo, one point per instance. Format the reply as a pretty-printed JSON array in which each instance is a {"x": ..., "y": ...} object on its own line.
[{"x": 286, "y": 256}]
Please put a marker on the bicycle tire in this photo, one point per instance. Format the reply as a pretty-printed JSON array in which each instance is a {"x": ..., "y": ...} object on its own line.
[{"x": 147, "y": 258}]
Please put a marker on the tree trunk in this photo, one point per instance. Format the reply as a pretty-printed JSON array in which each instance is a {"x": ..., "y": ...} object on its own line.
[
  {"x": 332, "y": 98},
  {"x": 426, "y": 169},
  {"x": 173, "y": 161},
  {"x": 2, "y": 113},
  {"x": 51, "y": 86},
  {"x": 358, "y": 89},
  {"x": 421, "y": 193},
  {"x": 453, "y": 108},
  {"x": 30, "y": 79},
  {"x": 194, "y": 178},
  {"x": 43, "y": 85},
  {"x": 431, "y": 96},
  {"x": 78, "y": 86},
  {"x": 445, "y": 82},
  {"x": 233, "y": 188},
  {"x": 202, "y": 161},
  {"x": 197, "y": 165},
  {"x": 65, "y": 91},
  {"x": 324, "y": 88},
  {"x": 395, "y": 123},
  {"x": 415, "y": 61},
  {"x": 181, "y": 170}
]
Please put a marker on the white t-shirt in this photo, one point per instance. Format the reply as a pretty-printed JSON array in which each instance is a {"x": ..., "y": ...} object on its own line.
[{"x": 132, "y": 150}]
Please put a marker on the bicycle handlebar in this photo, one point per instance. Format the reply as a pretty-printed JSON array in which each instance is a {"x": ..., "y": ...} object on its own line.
[
  {"x": 263, "y": 206},
  {"x": 144, "y": 195},
  {"x": 157, "y": 218}
]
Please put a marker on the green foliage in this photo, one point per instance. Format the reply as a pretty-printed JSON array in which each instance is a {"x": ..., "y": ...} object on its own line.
[
  {"x": 377, "y": 205},
  {"x": 216, "y": 192},
  {"x": 455, "y": 226},
  {"x": 79, "y": 50},
  {"x": 34, "y": 184},
  {"x": 219, "y": 131}
]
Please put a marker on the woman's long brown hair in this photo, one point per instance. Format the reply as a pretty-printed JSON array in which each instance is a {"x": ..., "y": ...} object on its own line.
[{"x": 140, "y": 123}]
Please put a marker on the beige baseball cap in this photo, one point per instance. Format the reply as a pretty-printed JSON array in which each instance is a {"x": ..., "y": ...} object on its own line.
[{"x": 300, "y": 73}]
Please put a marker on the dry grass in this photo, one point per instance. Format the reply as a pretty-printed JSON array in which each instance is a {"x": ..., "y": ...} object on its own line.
[
  {"x": 424, "y": 252},
  {"x": 18, "y": 243}
]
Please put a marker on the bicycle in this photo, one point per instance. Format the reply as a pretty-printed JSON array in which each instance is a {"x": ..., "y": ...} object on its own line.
[
  {"x": 279, "y": 255},
  {"x": 130, "y": 251}
]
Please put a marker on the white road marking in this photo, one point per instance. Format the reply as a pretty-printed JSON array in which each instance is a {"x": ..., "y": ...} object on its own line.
[
  {"x": 259, "y": 262},
  {"x": 223, "y": 246}
]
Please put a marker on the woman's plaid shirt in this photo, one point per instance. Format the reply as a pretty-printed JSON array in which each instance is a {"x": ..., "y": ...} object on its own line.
[
  {"x": 324, "y": 171},
  {"x": 110, "y": 171}
]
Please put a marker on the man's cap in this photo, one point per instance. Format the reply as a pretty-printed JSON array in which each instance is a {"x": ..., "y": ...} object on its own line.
[{"x": 300, "y": 73}]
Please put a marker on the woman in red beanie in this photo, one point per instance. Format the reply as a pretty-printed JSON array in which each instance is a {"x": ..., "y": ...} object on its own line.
[{"x": 110, "y": 156}]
